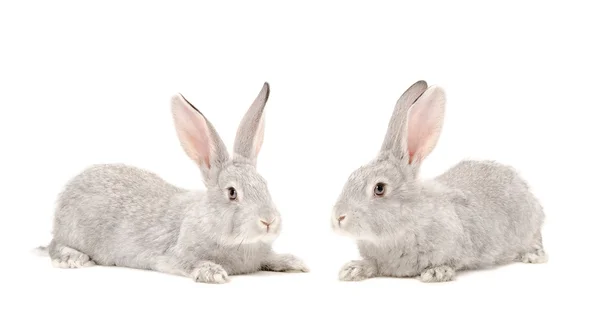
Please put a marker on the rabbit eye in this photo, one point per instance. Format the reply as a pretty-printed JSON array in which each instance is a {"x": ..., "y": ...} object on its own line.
[
  {"x": 379, "y": 189},
  {"x": 232, "y": 193}
]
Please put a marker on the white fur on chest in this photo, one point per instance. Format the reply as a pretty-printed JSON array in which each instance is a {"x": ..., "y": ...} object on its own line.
[
  {"x": 395, "y": 257},
  {"x": 243, "y": 259}
]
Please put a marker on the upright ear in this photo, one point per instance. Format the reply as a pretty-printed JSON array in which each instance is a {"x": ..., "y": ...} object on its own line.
[
  {"x": 395, "y": 138},
  {"x": 250, "y": 133},
  {"x": 425, "y": 123},
  {"x": 198, "y": 137}
]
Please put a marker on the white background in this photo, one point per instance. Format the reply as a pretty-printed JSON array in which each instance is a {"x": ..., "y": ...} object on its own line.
[{"x": 84, "y": 84}]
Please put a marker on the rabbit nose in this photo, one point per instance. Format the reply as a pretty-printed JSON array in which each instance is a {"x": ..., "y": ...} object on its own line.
[
  {"x": 267, "y": 224},
  {"x": 341, "y": 218}
]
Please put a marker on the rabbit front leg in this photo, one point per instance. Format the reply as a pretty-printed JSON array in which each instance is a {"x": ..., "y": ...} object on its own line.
[
  {"x": 283, "y": 263},
  {"x": 358, "y": 270},
  {"x": 199, "y": 271},
  {"x": 440, "y": 273},
  {"x": 209, "y": 272}
]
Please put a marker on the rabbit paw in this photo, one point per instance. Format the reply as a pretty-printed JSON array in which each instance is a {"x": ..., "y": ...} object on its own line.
[
  {"x": 284, "y": 263},
  {"x": 537, "y": 256},
  {"x": 357, "y": 270},
  {"x": 438, "y": 274},
  {"x": 70, "y": 258},
  {"x": 210, "y": 272}
]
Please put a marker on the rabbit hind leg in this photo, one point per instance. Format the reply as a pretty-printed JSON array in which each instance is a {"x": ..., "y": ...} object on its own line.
[
  {"x": 68, "y": 258},
  {"x": 536, "y": 254}
]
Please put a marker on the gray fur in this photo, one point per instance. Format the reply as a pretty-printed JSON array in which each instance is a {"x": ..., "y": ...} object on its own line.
[
  {"x": 477, "y": 214},
  {"x": 125, "y": 216},
  {"x": 398, "y": 126},
  {"x": 248, "y": 136}
]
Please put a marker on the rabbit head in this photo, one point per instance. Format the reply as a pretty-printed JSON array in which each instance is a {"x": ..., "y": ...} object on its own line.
[
  {"x": 236, "y": 193},
  {"x": 372, "y": 202}
]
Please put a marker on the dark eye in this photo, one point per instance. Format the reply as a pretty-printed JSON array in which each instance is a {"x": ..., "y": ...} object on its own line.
[
  {"x": 379, "y": 189},
  {"x": 232, "y": 193}
]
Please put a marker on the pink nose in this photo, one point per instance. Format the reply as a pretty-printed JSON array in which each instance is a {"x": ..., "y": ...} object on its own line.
[
  {"x": 267, "y": 224},
  {"x": 341, "y": 218}
]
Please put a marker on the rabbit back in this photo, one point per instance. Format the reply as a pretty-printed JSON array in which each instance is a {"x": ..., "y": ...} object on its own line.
[
  {"x": 118, "y": 215},
  {"x": 501, "y": 218}
]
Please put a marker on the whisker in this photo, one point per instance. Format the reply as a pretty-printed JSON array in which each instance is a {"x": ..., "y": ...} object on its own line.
[
  {"x": 360, "y": 225},
  {"x": 236, "y": 236},
  {"x": 238, "y": 248}
]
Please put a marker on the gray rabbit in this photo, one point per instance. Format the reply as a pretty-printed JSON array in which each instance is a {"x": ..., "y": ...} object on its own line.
[
  {"x": 477, "y": 214},
  {"x": 125, "y": 216}
]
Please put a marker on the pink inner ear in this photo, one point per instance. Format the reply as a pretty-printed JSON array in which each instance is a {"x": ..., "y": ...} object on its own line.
[
  {"x": 415, "y": 131},
  {"x": 204, "y": 141},
  {"x": 411, "y": 155},
  {"x": 425, "y": 123},
  {"x": 199, "y": 144},
  {"x": 193, "y": 132}
]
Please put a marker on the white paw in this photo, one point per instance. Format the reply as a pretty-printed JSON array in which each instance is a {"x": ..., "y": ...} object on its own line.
[
  {"x": 538, "y": 257},
  {"x": 438, "y": 274},
  {"x": 297, "y": 266},
  {"x": 210, "y": 273},
  {"x": 356, "y": 270},
  {"x": 71, "y": 259},
  {"x": 285, "y": 263},
  {"x": 72, "y": 264}
]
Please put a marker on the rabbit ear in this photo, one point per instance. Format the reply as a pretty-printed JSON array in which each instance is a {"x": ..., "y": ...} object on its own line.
[
  {"x": 198, "y": 137},
  {"x": 395, "y": 138},
  {"x": 426, "y": 118},
  {"x": 250, "y": 133}
]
